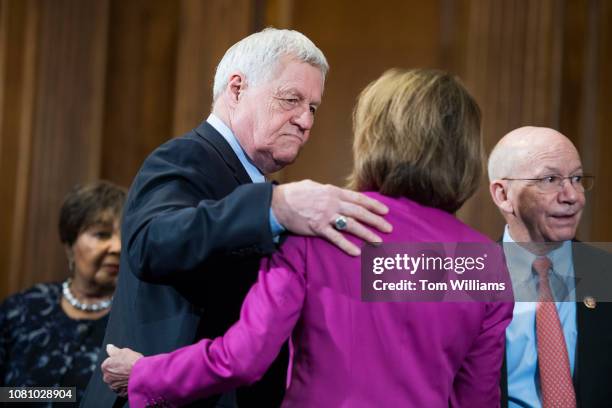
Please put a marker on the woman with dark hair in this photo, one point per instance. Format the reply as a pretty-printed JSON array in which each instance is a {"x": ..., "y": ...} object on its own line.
[
  {"x": 50, "y": 335},
  {"x": 418, "y": 150}
]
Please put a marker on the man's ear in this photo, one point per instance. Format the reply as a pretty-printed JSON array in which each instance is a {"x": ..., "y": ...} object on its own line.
[
  {"x": 235, "y": 86},
  {"x": 499, "y": 194}
]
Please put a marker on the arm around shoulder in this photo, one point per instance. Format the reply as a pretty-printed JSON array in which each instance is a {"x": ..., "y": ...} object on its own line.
[
  {"x": 241, "y": 356},
  {"x": 178, "y": 215}
]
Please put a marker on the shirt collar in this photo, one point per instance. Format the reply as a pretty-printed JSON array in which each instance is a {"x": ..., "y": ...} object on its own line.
[
  {"x": 253, "y": 172},
  {"x": 520, "y": 260}
]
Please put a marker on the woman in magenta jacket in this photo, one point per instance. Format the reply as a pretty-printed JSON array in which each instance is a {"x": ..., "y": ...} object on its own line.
[{"x": 418, "y": 150}]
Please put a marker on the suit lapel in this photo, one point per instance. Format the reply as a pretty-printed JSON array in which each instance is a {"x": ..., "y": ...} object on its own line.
[
  {"x": 592, "y": 324},
  {"x": 216, "y": 140}
]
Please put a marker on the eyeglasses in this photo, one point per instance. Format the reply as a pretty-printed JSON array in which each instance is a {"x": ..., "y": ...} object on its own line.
[{"x": 550, "y": 184}]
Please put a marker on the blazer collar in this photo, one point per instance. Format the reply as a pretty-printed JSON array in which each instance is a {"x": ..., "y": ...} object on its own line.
[{"x": 210, "y": 134}]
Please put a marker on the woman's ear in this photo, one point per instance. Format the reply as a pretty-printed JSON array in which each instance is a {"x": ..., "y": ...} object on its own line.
[{"x": 70, "y": 256}]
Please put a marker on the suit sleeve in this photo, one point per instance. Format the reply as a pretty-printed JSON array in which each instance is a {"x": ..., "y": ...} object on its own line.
[
  {"x": 174, "y": 220},
  {"x": 241, "y": 356},
  {"x": 477, "y": 382}
]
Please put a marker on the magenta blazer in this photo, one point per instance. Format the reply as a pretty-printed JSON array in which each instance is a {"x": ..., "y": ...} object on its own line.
[{"x": 346, "y": 353}]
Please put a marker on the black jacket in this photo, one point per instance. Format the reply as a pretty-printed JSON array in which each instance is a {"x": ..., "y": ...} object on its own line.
[{"x": 194, "y": 229}]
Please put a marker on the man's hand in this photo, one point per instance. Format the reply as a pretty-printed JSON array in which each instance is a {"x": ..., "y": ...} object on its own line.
[
  {"x": 117, "y": 367},
  {"x": 310, "y": 208}
]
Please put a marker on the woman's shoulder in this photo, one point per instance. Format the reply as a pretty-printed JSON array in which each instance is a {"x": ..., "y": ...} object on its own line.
[
  {"x": 40, "y": 297},
  {"x": 427, "y": 222}
]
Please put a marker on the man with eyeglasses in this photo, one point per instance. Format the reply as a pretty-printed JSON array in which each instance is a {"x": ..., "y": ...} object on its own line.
[{"x": 557, "y": 344}]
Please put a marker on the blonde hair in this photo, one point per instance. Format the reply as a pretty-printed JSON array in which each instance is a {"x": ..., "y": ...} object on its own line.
[{"x": 417, "y": 135}]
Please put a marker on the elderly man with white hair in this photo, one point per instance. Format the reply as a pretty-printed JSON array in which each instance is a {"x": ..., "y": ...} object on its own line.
[
  {"x": 557, "y": 345},
  {"x": 200, "y": 214}
]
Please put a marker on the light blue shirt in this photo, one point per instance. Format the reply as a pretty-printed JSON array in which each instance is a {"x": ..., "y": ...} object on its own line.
[
  {"x": 521, "y": 348},
  {"x": 253, "y": 172}
]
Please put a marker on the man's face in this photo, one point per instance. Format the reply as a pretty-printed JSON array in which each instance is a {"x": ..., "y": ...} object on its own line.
[
  {"x": 272, "y": 120},
  {"x": 546, "y": 216}
]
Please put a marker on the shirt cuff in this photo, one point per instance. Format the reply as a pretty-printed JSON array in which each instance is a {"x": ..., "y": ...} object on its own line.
[{"x": 275, "y": 226}]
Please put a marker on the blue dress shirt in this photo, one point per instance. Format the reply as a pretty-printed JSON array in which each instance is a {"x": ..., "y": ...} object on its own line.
[
  {"x": 521, "y": 348},
  {"x": 253, "y": 172}
]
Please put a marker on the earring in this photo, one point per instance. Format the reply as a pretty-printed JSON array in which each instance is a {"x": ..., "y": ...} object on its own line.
[{"x": 71, "y": 265}]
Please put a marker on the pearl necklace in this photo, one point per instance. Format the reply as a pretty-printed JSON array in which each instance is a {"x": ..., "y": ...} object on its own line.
[{"x": 85, "y": 307}]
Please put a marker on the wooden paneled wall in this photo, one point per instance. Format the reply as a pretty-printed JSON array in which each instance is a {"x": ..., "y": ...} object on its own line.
[
  {"x": 544, "y": 63},
  {"x": 88, "y": 88},
  {"x": 54, "y": 64}
]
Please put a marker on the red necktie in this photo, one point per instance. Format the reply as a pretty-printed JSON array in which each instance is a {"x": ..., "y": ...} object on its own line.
[{"x": 553, "y": 360}]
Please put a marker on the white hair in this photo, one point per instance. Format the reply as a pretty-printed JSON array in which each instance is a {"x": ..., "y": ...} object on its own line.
[{"x": 256, "y": 56}]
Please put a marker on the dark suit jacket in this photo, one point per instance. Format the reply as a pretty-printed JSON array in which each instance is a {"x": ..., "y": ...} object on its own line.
[
  {"x": 593, "y": 365},
  {"x": 194, "y": 228}
]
